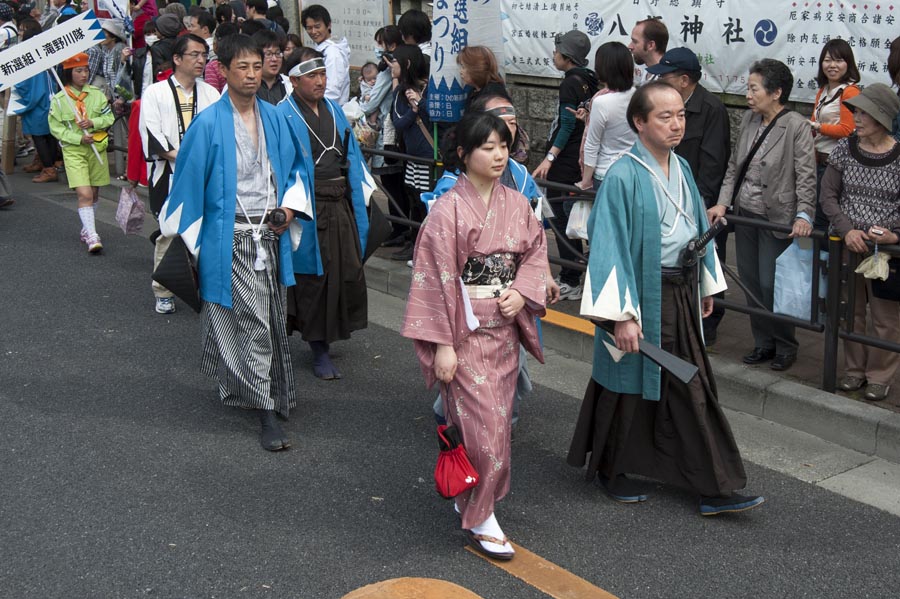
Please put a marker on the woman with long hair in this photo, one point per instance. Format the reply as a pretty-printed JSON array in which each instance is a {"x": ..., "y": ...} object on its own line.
[
  {"x": 607, "y": 133},
  {"x": 378, "y": 112},
  {"x": 478, "y": 69},
  {"x": 409, "y": 68},
  {"x": 831, "y": 119}
]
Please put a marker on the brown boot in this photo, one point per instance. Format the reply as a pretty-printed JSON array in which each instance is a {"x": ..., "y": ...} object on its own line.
[
  {"x": 36, "y": 165},
  {"x": 47, "y": 175}
]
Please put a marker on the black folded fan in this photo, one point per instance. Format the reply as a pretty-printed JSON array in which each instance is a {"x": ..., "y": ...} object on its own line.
[{"x": 177, "y": 272}]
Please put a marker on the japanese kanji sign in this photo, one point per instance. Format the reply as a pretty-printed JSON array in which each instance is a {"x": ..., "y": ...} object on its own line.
[
  {"x": 27, "y": 59},
  {"x": 457, "y": 24},
  {"x": 727, "y": 35}
]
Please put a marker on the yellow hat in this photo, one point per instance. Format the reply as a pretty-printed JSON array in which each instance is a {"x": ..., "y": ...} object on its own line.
[{"x": 79, "y": 60}]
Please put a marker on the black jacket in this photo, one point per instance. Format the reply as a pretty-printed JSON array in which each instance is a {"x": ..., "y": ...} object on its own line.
[
  {"x": 579, "y": 84},
  {"x": 707, "y": 142}
]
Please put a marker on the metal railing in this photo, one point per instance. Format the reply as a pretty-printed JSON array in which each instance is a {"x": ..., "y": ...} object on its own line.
[{"x": 831, "y": 315}]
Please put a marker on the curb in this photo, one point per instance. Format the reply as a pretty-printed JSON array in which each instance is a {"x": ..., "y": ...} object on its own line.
[{"x": 854, "y": 425}]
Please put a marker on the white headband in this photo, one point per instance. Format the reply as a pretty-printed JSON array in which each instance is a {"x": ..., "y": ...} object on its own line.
[{"x": 308, "y": 66}]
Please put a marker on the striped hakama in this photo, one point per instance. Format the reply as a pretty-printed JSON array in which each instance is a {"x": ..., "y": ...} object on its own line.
[{"x": 246, "y": 347}]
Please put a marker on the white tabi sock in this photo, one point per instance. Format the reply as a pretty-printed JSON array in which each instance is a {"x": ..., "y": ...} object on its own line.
[
  {"x": 491, "y": 528},
  {"x": 87, "y": 220}
]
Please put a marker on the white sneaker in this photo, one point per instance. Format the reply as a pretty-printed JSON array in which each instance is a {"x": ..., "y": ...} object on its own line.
[
  {"x": 568, "y": 292},
  {"x": 165, "y": 305}
]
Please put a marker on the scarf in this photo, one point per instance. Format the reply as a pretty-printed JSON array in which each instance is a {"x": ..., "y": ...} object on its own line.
[{"x": 80, "y": 108}]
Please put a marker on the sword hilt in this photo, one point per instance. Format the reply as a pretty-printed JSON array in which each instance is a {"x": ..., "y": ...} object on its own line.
[{"x": 710, "y": 233}]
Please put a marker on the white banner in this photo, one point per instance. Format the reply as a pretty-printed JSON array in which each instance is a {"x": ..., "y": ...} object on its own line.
[
  {"x": 727, "y": 35},
  {"x": 457, "y": 24},
  {"x": 27, "y": 59}
]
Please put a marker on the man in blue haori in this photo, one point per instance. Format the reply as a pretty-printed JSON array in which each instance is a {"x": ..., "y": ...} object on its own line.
[
  {"x": 636, "y": 419},
  {"x": 236, "y": 164},
  {"x": 330, "y": 300}
]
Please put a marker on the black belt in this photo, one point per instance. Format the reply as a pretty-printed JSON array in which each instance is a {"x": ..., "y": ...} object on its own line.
[
  {"x": 253, "y": 220},
  {"x": 331, "y": 190},
  {"x": 677, "y": 276}
]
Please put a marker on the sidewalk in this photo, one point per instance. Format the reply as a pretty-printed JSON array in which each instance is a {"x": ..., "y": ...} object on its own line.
[{"x": 793, "y": 398}]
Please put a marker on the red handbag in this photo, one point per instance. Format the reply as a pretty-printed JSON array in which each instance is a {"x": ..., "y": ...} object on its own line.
[{"x": 454, "y": 473}]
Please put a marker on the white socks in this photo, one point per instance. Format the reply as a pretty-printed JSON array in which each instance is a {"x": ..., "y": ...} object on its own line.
[
  {"x": 87, "y": 220},
  {"x": 491, "y": 528}
]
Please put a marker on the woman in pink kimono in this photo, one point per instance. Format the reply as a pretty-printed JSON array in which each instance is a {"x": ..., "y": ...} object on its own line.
[{"x": 479, "y": 279}]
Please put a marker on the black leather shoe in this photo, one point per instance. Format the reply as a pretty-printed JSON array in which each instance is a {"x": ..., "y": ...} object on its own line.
[
  {"x": 759, "y": 355},
  {"x": 782, "y": 362}
]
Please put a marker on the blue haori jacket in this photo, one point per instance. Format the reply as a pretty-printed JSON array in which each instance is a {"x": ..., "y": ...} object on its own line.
[
  {"x": 524, "y": 184},
  {"x": 202, "y": 201},
  {"x": 623, "y": 276},
  {"x": 31, "y": 100},
  {"x": 308, "y": 257}
]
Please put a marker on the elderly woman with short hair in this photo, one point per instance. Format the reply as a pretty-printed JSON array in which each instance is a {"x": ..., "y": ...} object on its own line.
[
  {"x": 861, "y": 197},
  {"x": 771, "y": 177}
]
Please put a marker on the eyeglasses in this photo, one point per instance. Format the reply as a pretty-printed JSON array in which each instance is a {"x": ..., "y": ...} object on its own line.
[
  {"x": 274, "y": 54},
  {"x": 196, "y": 55}
]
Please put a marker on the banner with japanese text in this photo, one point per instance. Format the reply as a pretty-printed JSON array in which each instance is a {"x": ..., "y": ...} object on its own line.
[
  {"x": 727, "y": 35},
  {"x": 457, "y": 24},
  {"x": 27, "y": 59}
]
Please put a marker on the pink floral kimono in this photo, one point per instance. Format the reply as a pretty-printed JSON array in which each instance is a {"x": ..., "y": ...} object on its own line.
[{"x": 466, "y": 255}]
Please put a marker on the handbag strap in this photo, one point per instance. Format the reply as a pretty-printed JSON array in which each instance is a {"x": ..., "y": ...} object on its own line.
[
  {"x": 425, "y": 132},
  {"x": 440, "y": 432},
  {"x": 756, "y": 145}
]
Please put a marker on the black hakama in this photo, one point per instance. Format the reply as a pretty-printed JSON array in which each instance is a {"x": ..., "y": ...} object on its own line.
[{"x": 683, "y": 439}]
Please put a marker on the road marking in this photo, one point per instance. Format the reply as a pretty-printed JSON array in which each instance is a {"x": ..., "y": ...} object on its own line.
[
  {"x": 567, "y": 321},
  {"x": 411, "y": 588},
  {"x": 547, "y": 576}
]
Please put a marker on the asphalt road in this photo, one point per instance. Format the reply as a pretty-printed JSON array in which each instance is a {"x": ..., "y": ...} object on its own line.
[{"x": 123, "y": 477}]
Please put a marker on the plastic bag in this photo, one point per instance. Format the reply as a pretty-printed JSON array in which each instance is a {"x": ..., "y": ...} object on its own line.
[
  {"x": 352, "y": 111},
  {"x": 130, "y": 213},
  {"x": 875, "y": 267},
  {"x": 578, "y": 220},
  {"x": 793, "y": 281}
]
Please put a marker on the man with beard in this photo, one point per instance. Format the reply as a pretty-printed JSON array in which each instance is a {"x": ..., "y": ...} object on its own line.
[{"x": 649, "y": 40}]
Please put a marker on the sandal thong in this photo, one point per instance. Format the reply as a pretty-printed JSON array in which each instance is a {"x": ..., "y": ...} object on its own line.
[{"x": 475, "y": 541}]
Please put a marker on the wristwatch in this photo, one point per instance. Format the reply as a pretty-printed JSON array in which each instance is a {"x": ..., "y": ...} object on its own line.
[{"x": 550, "y": 156}]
